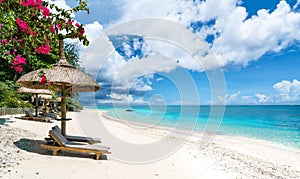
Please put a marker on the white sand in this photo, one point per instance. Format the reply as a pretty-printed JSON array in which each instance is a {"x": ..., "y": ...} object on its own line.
[{"x": 225, "y": 157}]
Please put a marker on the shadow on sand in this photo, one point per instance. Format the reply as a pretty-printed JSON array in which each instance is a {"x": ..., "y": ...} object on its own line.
[
  {"x": 34, "y": 146},
  {"x": 4, "y": 121}
]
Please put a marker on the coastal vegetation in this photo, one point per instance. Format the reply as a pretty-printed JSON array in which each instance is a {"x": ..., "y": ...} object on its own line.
[{"x": 30, "y": 31}]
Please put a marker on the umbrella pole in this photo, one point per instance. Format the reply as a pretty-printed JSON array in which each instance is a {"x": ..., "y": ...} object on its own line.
[
  {"x": 36, "y": 104},
  {"x": 63, "y": 109}
]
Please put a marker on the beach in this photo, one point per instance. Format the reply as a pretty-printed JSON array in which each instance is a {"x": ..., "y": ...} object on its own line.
[{"x": 223, "y": 157}]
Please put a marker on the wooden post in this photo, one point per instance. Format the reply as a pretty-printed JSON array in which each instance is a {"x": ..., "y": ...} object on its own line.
[
  {"x": 63, "y": 109},
  {"x": 36, "y": 104},
  {"x": 62, "y": 58}
]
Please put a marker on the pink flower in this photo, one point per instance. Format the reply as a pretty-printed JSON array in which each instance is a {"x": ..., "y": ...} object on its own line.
[
  {"x": 1, "y": 1},
  {"x": 81, "y": 30},
  {"x": 69, "y": 23},
  {"x": 31, "y": 32},
  {"x": 44, "y": 49},
  {"x": 44, "y": 79},
  {"x": 21, "y": 59},
  {"x": 31, "y": 3},
  {"x": 18, "y": 69},
  {"x": 22, "y": 24},
  {"x": 4, "y": 41},
  {"x": 58, "y": 26},
  {"x": 38, "y": 2},
  {"x": 46, "y": 11},
  {"x": 24, "y": 3},
  {"x": 53, "y": 29},
  {"x": 77, "y": 25},
  {"x": 8, "y": 52},
  {"x": 18, "y": 61}
]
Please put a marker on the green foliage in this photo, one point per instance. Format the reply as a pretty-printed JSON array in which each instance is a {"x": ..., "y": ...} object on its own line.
[
  {"x": 73, "y": 105},
  {"x": 10, "y": 98},
  {"x": 72, "y": 54},
  {"x": 40, "y": 29}
]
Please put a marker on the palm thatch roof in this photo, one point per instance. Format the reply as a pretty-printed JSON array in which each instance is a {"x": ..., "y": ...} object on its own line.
[
  {"x": 61, "y": 73},
  {"x": 34, "y": 91}
]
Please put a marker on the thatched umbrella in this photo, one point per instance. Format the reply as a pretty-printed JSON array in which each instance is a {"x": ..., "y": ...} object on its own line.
[
  {"x": 36, "y": 92},
  {"x": 63, "y": 77}
]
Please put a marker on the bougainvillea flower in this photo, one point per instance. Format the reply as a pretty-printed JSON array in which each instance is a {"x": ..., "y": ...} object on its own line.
[
  {"x": 53, "y": 29},
  {"x": 81, "y": 30},
  {"x": 44, "y": 49},
  {"x": 43, "y": 79},
  {"x": 22, "y": 24}
]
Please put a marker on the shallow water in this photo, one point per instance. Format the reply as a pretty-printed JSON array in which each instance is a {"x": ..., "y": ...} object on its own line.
[{"x": 280, "y": 124}]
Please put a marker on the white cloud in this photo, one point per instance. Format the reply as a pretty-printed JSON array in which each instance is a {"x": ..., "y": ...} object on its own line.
[
  {"x": 93, "y": 30},
  {"x": 238, "y": 40},
  {"x": 263, "y": 99},
  {"x": 287, "y": 87},
  {"x": 135, "y": 74},
  {"x": 233, "y": 97},
  {"x": 247, "y": 100},
  {"x": 115, "y": 98},
  {"x": 242, "y": 40},
  {"x": 101, "y": 58},
  {"x": 177, "y": 54},
  {"x": 219, "y": 100},
  {"x": 288, "y": 91},
  {"x": 125, "y": 98},
  {"x": 146, "y": 8},
  {"x": 237, "y": 99},
  {"x": 159, "y": 79},
  {"x": 61, "y": 4},
  {"x": 129, "y": 76}
]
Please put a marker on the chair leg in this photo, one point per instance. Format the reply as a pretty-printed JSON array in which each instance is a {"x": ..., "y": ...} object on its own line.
[
  {"x": 98, "y": 156},
  {"x": 55, "y": 152}
]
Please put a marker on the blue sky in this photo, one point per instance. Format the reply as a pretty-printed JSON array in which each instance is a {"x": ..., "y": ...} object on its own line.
[{"x": 256, "y": 44}]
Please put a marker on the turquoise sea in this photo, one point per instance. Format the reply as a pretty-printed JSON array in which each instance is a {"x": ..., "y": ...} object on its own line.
[{"x": 279, "y": 124}]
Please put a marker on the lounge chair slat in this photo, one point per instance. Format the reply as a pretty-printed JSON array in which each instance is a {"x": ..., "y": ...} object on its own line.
[
  {"x": 64, "y": 144},
  {"x": 89, "y": 140}
]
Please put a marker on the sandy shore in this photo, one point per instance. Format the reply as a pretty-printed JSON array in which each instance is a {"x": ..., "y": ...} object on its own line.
[{"x": 139, "y": 152}]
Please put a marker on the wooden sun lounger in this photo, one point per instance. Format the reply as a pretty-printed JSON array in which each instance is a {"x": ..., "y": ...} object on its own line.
[
  {"x": 65, "y": 145},
  {"x": 30, "y": 116},
  {"x": 89, "y": 140}
]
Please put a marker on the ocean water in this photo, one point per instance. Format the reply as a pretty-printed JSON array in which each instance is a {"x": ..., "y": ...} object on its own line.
[{"x": 279, "y": 124}]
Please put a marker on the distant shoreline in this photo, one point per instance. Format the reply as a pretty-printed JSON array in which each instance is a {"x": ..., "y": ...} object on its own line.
[
  {"x": 258, "y": 123},
  {"x": 199, "y": 133},
  {"x": 206, "y": 105}
]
